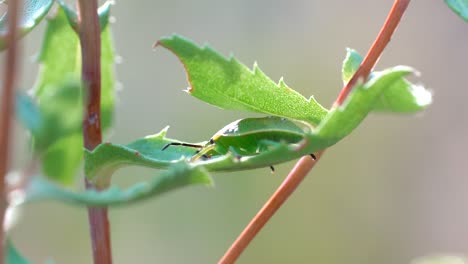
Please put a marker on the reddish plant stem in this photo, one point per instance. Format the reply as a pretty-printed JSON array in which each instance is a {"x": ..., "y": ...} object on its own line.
[
  {"x": 7, "y": 109},
  {"x": 305, "y": 164},
  {"x": 383, "y": 38},
  {"x": 90, "y": 40}
]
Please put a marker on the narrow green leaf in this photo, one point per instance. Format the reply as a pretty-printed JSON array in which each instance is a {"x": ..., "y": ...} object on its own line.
[
  {"x": 179, "y": 175},
  {"x": 228, "y": 84},
  {"x": 62, "y": 108},
  {"x": 402, "y": 97},
  {"x": 32, "y": 13},
  {"x": 13, "y": 256},
  {"x": 460, "y": 7}
]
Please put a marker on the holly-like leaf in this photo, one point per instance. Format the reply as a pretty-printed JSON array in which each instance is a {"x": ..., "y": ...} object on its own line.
[
  {"x": 402, "y": 97},
  {"x": 336, "y": 125},
  {"x": 178, "y": 175},
  {"x": 226, "y": 83},
  {"x": 460, "y": 7},
  {"x": 32, "y": 13}
]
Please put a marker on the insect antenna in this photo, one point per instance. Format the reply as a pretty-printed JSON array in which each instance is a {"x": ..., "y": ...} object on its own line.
[{"x": 182, "y": 144}]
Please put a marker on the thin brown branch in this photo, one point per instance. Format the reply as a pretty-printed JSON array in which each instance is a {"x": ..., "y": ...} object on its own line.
[
  {"x": 305, "y": 164},
  {"x": 285, "y": 190},
  {"x": 6, "y": 111},
  {"x": 90, "y": 39}
]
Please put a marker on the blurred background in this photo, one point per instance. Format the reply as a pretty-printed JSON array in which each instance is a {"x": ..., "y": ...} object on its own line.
[{"x": 392, "y": 191}]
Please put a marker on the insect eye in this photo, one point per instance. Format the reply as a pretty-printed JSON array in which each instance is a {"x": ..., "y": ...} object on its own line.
[{"x": 212, "y": 141}]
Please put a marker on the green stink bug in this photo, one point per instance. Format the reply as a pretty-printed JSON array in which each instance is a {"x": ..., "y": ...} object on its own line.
[{"x": 249, "y": 136}]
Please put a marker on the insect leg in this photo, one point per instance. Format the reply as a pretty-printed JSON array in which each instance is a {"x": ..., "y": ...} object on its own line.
[
  {"x": 272, "y": 169},
  {"x": 313, "y": 156},
  {"x": 182, "y": 144}
]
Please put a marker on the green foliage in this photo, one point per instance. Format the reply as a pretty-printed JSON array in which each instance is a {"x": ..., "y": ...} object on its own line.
[
  {"x": 57, "y": 91},
  {"x": 401, "y": 97},
  {"x": 337, "y": 124},
  {"x": 179, "y": 175},
  {"x": 108, "y": 157},
  {"x": 228, "y": 84},
  {"x": 460, "y": 7},
  {"x": 32, "y": 13}
]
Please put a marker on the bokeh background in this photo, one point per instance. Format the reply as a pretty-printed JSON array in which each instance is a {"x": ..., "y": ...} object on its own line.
[{"x": 394, "y": 190}]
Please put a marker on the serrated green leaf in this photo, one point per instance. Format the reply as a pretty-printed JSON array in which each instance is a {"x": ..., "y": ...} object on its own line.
[
  {"x": 60, "y": 60},
  {"x": 178, "y": 175},
  {"x": 228, "y": 84},
  {"x": 402, "y": 97},
  {"x": 460, "y": 7},
  {"x": 32, "y": 13},
  {"x": 13, "y": 256},
  {"x": 338, "y": 123}
]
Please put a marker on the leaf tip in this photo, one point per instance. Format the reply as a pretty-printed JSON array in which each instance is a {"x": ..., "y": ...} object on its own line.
[
  {"x": 164, "y": 41},
  {"x": 188, "y": 90},
  {"x": 156, "y": 44},
  {"x": 160, "y": 134},
  {"x": 282, "y": 84},
  {"x": 255, "y": 68},
  {"x": 422, "y": 95}
]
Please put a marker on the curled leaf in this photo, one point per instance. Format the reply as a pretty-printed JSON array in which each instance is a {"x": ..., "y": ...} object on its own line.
[{"x": 402, "y": 97}]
